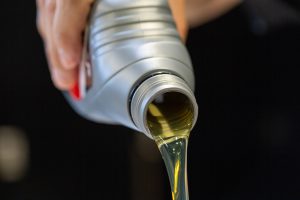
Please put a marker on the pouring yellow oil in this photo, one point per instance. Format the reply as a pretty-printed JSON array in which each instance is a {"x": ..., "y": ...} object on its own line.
[{"x": 170, "y": 117}]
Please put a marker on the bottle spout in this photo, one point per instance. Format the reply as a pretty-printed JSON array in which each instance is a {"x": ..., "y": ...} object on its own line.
[{"x": 164, "y": 105}]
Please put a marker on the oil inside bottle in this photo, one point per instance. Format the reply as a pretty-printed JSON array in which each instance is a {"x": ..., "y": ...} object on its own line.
[{"x": 170, "y": 117}]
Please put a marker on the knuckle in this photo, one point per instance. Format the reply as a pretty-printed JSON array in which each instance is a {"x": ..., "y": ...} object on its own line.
[
  {"x": 61, "y": 38},
  {"x": 50, "y": 6}
]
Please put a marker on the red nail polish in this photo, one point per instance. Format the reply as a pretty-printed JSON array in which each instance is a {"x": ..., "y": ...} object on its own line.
[{"x": 75, "y": 91}]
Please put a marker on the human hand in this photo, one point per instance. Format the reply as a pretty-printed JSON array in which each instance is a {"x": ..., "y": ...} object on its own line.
[{"x": 61, "y": 24}]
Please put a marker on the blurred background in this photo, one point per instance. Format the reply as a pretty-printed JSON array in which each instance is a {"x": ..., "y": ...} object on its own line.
[{"x": 246, "y": 143}]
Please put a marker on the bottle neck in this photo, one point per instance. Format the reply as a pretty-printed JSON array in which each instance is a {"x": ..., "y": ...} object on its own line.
[{"x": 164, "y": 95}]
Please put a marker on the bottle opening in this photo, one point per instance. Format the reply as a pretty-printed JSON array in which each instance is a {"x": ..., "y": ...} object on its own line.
[
  {"x": 164, "y": 106},
  {"x": 170, "y": 115}
]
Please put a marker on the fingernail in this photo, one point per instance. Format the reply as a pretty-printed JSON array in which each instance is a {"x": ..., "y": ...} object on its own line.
[
  {"x": 75, "y": 91},
  {"x": 68, "y": 60}
]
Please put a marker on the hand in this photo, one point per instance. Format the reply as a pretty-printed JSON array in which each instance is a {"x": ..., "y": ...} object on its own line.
[{"x": 61, "y": 24}]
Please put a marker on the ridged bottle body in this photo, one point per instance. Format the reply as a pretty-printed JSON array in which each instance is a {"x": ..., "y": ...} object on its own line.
[{"x": 130, "y": 41}]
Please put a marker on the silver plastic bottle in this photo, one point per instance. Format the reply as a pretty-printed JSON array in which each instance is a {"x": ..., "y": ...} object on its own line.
[{"x": 133, "y": 55}]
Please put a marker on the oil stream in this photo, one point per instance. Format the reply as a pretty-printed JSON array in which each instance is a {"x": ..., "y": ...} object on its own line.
[{"x": 169, "y": 119}]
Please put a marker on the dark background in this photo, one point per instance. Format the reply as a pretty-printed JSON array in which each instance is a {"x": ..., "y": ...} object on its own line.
[{"x": 245, "y": 145}]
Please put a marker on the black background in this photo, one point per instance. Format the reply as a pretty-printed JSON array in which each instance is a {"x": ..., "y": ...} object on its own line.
[{"x": 244, "y": 146}]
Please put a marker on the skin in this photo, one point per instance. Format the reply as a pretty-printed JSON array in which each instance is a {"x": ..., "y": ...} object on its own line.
[
  {"x": 203, "y": 11},
  {"x": 61, "y": 24}
]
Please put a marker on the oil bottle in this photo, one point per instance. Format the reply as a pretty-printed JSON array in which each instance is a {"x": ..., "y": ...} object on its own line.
[{"x": 136, "y": 72}]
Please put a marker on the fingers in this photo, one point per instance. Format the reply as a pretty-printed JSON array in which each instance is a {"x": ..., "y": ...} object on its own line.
[
  {"x": 69, "y": 23},
  {"x": 178, "y": 11},
  {"x": 62, "y": 78},
  {"x": 60, "y": 24}
]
